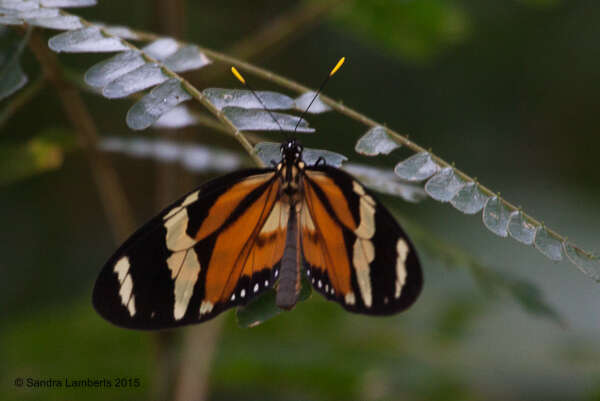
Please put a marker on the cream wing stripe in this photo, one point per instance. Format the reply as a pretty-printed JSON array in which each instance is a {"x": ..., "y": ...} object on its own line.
[
  {"x": 277, "y": 220},
  {"x": 185, "y": 269},
  {"x": 122, "y": 268},
  {"x": 364, "y": 250},
  {"x": 191, "y": 198},
  {"x": 126, "y": 284},
  {"x": 363, "y": 255},
  {"x": 177, "y": 238},
  {"x": 402, "y": 249}
]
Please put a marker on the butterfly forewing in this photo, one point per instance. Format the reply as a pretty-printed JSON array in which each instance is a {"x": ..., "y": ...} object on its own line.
[
  {"x": 215, "y": 248},
  {"x": 354, "y": 250}
]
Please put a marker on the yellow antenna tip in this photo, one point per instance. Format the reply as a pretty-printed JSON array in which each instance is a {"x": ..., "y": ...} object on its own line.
[
  {"x": 337, "y": 66},
  {"x": 237, "y": 74}
]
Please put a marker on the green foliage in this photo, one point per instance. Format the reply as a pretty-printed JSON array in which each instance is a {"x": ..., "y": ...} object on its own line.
[
  {"x": 71, "y": 341},
  {"x": 44, "y": 152},
  {"x": 418, "y": 30},
  {"x": 457, "y": 316}
]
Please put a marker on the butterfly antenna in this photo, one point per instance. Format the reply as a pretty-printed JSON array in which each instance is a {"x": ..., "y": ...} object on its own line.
[
  {"x": 240, "y": 78},
  {"x": 331, "y": 73}
]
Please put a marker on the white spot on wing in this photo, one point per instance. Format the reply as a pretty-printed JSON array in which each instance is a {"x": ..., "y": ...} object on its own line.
[
  {"x": 256, "y": 287},
  {"x": 350, "y": 299},
  {"x": 242, "y": 293},
  {"x": 206, "y": 307}
]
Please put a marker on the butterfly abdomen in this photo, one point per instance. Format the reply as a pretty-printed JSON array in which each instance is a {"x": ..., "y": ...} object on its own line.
[{"x": 289, "y": 277}]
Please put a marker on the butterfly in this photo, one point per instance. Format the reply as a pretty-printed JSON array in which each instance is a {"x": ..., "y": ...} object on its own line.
[{"x": 239, "y": 235}]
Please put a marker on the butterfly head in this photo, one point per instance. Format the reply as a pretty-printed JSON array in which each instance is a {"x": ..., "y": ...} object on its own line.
[{"x": 291, "y": 152}]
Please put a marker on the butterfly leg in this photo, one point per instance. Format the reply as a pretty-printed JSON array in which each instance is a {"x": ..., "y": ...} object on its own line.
[{"x": 320, "y": 160}]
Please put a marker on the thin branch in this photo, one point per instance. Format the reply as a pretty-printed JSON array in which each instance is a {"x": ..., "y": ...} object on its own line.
[
  {"x": 342, "y": 109},
  {"x": 355, "y": 115},
  {"x": 111, "y": 193}
]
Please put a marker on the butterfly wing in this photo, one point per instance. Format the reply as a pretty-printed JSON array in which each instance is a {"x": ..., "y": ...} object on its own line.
[
  {"x": 215, "y": 248},
  {"x": 354, "y": 250}
]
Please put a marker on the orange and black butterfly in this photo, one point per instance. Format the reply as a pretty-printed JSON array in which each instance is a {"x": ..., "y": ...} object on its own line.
[{"x": 228, "y": 241}]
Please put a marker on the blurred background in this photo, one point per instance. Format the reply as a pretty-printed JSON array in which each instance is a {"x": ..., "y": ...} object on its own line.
[{"x": 509, "y": 90}]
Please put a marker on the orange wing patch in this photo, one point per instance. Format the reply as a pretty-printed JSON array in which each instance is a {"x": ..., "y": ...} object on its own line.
[
  {"x": 335, "y": 197},
  {"x": 270, "y": 241},
  {"x": 323, "y": 244},
  {"x": 241, "y": 249},
  {"x": 226, "y": 204}
]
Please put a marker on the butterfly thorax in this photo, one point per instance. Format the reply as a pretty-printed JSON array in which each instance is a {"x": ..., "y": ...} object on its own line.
[{"x": 290, "y": 170}]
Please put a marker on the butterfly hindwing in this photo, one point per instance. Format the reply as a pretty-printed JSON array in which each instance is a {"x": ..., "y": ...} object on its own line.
[
  {"x": 354, "y": 250},
  {"x": 217, "y": 247}
]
